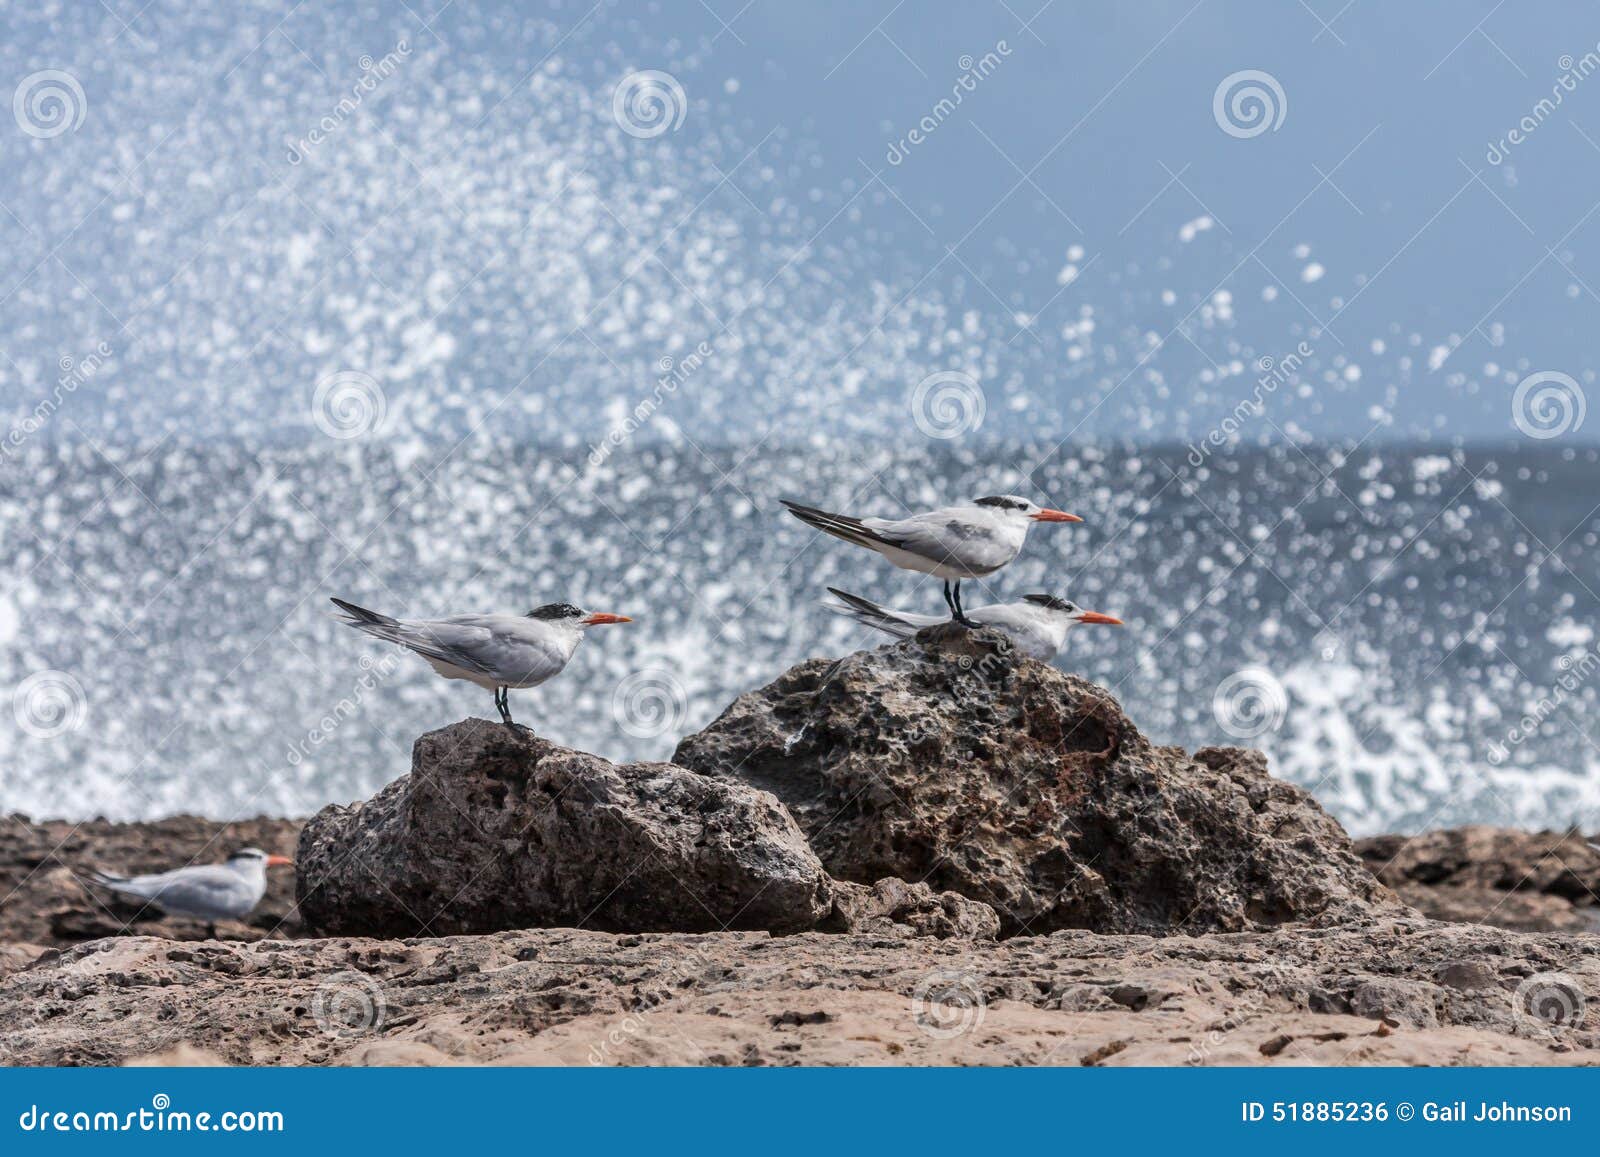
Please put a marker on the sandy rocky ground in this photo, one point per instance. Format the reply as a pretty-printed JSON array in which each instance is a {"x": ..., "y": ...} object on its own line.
[{"x": 1077, "y": 896}]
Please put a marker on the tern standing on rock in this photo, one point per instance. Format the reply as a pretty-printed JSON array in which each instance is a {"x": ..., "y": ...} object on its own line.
[
  {"x": 497, "y": 652},
  {"x": 1037, "y": 626},
  {"x": 209, "y": 892},
  {"x": 953, "y": 543}
]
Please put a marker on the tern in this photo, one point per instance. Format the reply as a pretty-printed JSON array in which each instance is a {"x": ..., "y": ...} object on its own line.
[
  {"x": 1037, "y": 626},
  {"x": 497, "y": 652},
  {"x": 210, "y": 892},
  {"x": 953, "y": 543}
]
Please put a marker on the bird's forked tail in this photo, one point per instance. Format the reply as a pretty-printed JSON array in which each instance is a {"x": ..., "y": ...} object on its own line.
[{"x": 900, "y": 624}]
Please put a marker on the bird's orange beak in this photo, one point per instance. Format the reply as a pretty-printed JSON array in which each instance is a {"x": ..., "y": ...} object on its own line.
[
  {"x": 1054, "y": 516},
  {"x": 279, "y": 862},
  {"x": 1097, "y": 617},
  {"x": 599, "y": 620}
]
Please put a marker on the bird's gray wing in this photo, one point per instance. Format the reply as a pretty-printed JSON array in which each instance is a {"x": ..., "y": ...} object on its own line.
[
  {"x": 210, "y": 892},
  {"x": 461, "y": 644},
  {"x": 510, "y": 649},
  {"x": 203, "y": 890},
  {"x": 947, "y": 534}
]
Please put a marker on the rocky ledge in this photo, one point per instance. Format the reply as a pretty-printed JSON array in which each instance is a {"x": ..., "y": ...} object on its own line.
[
  {"x": 934, "y": 852},
  {"x": 1405, "y": 991}
]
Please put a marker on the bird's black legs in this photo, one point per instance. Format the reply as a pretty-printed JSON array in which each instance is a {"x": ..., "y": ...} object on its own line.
[
  {"x": 954, "y": 603},
  {"x": 502, "y": 700},
  {"x": 960, "y": 615}
]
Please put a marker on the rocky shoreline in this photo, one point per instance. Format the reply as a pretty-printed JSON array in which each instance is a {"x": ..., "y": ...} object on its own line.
[{"x": 929, "y": 853}]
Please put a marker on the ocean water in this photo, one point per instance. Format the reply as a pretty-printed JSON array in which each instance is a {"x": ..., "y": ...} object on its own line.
[
  {"x": 1409, "y": 633},
  {"x": 335, "y": 299}
]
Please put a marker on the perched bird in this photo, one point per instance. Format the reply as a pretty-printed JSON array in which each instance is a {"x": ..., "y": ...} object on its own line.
[
  {"x": 954, "y": 543},
  {"x": 210, "y": 892},
  {"x": 1037, "y": 626},
  {"x": 497, "y": 652}
]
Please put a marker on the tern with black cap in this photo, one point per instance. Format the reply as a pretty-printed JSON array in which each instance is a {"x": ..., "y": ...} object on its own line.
[
  {"x": 1037, "y": 626},
  {"x": 209, "y": 892},
  {"x": 952, "y": 543},
  {"x": 495, "y": 651}
]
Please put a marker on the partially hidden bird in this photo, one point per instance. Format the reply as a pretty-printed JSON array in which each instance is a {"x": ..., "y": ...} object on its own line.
[
  {"x": 495, "y": 651},
  {"x": 1037, "y": 626},
  {"x": 952, "y": 543},
  {"x": 209, "y": 892}
]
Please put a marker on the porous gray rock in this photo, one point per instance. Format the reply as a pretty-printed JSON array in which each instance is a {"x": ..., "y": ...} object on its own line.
[
  {"x": 496, "y": 828},
  {"x": 893, "y": 907},
  {"x": 950, "y": 760}
]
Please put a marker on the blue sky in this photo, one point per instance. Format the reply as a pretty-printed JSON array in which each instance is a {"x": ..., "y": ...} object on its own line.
[{"x": 1429, "y": 262}]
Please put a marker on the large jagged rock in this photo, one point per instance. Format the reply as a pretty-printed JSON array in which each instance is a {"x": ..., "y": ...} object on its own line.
[
  {"x": 946, "y": 759},
  {"x": 1533, "y": 881},
  {"x": 496, "y": 828}
]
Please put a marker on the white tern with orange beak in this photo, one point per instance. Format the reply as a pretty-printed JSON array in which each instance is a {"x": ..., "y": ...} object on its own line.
[
  {"x": 497, "y": 652},
  {"x": 953, "y": 543},
  {"x": 1037, "y": 626},
  {"x": 210, "y": 892}
]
